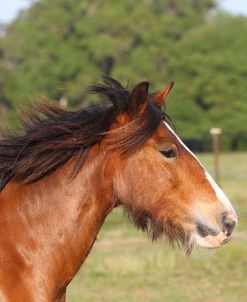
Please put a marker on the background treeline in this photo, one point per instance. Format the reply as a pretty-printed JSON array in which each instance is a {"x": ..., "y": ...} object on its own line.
[{"x": 57, "y": 48}]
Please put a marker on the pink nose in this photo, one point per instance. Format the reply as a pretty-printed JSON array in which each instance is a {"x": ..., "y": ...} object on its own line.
[{"x": 229, "y": 222}]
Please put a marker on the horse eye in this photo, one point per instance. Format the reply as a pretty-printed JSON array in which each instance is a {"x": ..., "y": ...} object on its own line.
[{"x": 169, "y": 153}]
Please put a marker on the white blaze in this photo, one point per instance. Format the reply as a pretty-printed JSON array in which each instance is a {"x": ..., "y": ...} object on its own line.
[{"x": 219, "y": 193}]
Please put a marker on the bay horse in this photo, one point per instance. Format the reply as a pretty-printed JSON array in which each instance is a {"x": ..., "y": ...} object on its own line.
[{"x": 64, "y": 173}]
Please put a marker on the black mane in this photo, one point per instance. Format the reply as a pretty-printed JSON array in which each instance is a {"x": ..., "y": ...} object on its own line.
[{"x": 51, "y": 135}]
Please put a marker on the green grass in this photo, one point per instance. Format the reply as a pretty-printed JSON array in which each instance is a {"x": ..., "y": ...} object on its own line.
[{"x": 125, "y": 266}]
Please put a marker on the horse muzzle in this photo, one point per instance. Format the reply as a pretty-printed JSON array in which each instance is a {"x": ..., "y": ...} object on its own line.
[{"x": 211, "y": 237}]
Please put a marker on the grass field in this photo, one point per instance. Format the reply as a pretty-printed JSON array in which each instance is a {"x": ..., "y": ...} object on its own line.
[{"x": 125, "y": 266}]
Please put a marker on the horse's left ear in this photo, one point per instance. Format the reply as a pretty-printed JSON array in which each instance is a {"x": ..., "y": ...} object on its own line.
[
  {"x": 138, "y": 99},
  {"x": 159, "y": 98}
]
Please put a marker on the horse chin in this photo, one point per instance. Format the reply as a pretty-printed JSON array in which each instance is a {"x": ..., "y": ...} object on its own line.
[
  {"x": 210, "y": 241},
  {"x": 189, "y": 245},
  {"x": 184, "y": 237}
]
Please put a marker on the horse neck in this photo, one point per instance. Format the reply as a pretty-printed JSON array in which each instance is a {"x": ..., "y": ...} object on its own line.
[{"x": 61, "y": 218}]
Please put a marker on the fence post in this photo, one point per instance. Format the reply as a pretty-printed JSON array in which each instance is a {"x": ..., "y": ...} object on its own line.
[{"x": 215, "y": 132}]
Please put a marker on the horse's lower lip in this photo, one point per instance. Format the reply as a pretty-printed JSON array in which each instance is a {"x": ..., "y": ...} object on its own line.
[
  {"x": 212, "y": 241},
  {"x": 226, "y": 240}
]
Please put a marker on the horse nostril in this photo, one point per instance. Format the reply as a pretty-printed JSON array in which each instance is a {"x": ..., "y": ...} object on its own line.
[{"x": 229, "y": 224}]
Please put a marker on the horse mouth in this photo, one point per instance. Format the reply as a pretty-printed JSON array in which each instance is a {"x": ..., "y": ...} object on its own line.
[
  {"x": 211, "y": 242},
  {"x": 207, "y": 237}
]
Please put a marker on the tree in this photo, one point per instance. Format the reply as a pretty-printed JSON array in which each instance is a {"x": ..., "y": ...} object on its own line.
[
  {"x": 211, "y": 69},
  {"x": 57, "y": 48}
]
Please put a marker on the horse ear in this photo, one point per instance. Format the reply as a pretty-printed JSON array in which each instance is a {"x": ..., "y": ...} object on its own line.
[
  {"x": 138, "y": 99},
  {"x": 159, "y": 98}
]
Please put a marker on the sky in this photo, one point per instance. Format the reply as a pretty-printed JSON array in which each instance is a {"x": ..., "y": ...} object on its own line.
[
  {"x": 10, "y": 8},
  {"x": 238, "y": 7}
]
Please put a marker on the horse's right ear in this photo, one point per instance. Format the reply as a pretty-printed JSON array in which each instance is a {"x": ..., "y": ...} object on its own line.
[
  {"x": 138, "y": 99},
  {"x": 159, "y": 98}
]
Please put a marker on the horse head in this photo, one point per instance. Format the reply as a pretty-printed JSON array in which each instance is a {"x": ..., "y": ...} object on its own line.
[{"x": 163, "y": 186}]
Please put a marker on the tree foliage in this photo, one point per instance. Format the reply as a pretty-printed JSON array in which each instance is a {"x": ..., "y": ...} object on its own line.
[{"x": 57, "y": 48}]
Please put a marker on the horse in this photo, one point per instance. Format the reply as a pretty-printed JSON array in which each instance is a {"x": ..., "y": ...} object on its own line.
[{"x": 67, "y": 170}]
